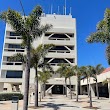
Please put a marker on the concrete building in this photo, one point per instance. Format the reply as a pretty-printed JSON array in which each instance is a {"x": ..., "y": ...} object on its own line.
[
  {"x": 103, "y": 84},
  {"x": 62, "y": 34}
]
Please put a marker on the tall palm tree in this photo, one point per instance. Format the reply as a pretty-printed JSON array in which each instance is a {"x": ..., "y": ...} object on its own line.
[
  {"x": 29, "y": 28},
  {"x": 66, "y": 72},
  {"x": 90, "y": 71},
  {"x": 43, "y": 76},
  {"x": 77, "y": 72},
  {"x": 85, "y": 74},
  {"x": 102, "y": 34},
  {"x": 96, "y": 71},
  {"x": 36, "y": 56},
  {"x": 69, "y": 73},
  {"x": 61, "y": 71}
]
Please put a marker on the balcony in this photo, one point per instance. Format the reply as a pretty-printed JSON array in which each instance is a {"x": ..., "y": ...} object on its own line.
[
  {"x": 15, "y": 40},
  {"x": 12, "y": 51},
  {"x": 59, "y": 41},
  {"x": 11, "y": 80},
  {"x": 12, "y": 67},
  {"x": 60, "y": 54}
]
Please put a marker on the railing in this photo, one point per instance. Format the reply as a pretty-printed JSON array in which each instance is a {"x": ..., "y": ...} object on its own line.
[
  {"x": 59, "y": 51},
  {"x": 13, "y": 37},
  {"x": 14, "y": 50},
  {"x": 58, "y": 64},
  {"x": 11, "y": 63},
  {"x": 58, "y": 39}
]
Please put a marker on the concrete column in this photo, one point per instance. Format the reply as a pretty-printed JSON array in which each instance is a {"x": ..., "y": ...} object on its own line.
[
  {"x": 108, "y": 79},
  {"x": 93, "y": 90},
  {"x": 81, "y": 90},
  {"x": 1, "y": 87},
  {"x": 23, "y": 82},
  {"x": 10, "y": 87}
]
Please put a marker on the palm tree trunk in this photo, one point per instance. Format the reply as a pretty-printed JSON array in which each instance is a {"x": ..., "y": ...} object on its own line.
[
  {"x": 27, "y": 77},
  {"x": 90, "y": 95},
  {"x": 44, "y": 90},
  {"x": 87, "y": 87},
  {"x": 70, "y": 87},
  {"x": 97, "y": 90},
  {"x": 66, "y": 87},
  {"x": 36, "y": 89},
  {"x": 40, "y": 91},
  {"x": 77, "y": 90}
]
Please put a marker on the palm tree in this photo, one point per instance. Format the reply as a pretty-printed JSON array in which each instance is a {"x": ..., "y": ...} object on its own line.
[
  {"x": 77, "y": 72},
  {"x": 61, "y": 71},
  {"x": 66, "y": 72},
  {"x": 96, "y": 71},
  {"x": 90, "y": 71},
  {"x": 43, "y": 77},
  {"x": 102, "y": 35},
  {"x": 85, "y": 74},
  {"x": 36, "y": 56},
  {"x": 29, "y": 28}
]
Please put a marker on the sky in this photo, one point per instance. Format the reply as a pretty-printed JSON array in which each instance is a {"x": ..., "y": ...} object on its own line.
[{"x": 87, "y": 13}]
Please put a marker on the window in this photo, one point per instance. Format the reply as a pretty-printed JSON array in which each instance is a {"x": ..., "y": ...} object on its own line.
[
  {"x": 14, "y": 34},
  {"x": 14, "y": 74},
  {"x": 58, "y": 36},
  {"x": 58, "y": 61},
  {"x": 47, "y": 34},
  {"x": 59, "y": 48},
  {"x": 15, "y": 46},
  {"x": 71, "y": 60},
  {"x": 71, "y": 35},
  {"x": 71, "y": 47}
]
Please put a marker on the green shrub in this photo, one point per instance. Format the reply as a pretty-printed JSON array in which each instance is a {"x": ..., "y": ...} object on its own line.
[{"x": 8, "y": 96}]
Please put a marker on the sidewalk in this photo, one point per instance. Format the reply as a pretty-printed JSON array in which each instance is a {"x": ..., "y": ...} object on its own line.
[{"x": 61, "y": 102}]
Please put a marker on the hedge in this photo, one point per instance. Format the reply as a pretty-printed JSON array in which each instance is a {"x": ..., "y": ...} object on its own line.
[{"x": 8, "y": 96}]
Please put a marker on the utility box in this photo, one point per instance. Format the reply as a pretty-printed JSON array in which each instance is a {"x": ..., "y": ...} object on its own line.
[{"x": 15, "y": 101}]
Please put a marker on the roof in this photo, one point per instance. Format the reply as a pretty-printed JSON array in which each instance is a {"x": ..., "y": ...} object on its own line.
[{"x": 106, "y": 70}]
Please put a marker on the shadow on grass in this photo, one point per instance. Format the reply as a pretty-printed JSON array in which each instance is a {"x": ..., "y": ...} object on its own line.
[{"x": 57, "y": 106}]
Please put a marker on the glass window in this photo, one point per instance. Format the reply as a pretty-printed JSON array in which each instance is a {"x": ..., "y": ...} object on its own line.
[
  {"x": 14, "y": 74},
  {"x": 14, "y": 34},
  {"x": 15, "y": 46}
]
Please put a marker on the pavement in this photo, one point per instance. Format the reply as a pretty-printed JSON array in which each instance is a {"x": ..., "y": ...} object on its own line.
[{"x": 61, "y": 102}]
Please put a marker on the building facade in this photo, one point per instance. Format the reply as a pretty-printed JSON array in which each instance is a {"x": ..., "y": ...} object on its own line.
[{"x": 62, "y": 35}]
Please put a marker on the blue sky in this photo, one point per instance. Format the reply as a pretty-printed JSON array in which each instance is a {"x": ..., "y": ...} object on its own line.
[{"x": 87, "y": 14}]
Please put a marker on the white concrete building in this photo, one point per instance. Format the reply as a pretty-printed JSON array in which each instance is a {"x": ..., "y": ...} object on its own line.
[
  {"x": 62, "y": 34},
  {"x": 104, "y": 89}
]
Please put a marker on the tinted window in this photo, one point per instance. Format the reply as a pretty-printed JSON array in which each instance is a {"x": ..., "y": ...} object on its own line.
[
  {"x": 14, "y": 34},
  {"x": 15, "y": 46},
  {"x": 14, "y": 74}
]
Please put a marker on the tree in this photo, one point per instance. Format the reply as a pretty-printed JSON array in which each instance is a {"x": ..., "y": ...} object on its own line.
[
  {"x": 61, "y": 71},
  {"x": 29, "y": 28},
  {"x": 36, "y": 56},
  {"x": 85, "y": 74},
  {"x": 96, "y": 71},
  {"x": 77, "y": 72},
  {"x": 102, "y": 33},
  {"x": 43, "y": 76},
  {"x": 90, "y": 70},
  {"x": 66, "y": 72}
]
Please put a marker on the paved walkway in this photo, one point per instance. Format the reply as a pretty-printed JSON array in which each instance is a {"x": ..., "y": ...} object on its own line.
[{"x": 60, "y": 102}]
